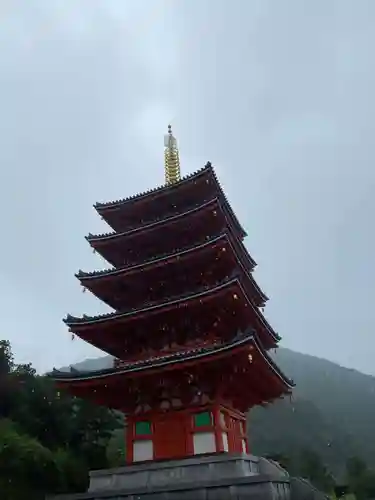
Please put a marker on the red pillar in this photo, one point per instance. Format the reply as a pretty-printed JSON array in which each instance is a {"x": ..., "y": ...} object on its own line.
[
  {"x": 218, "y": 429},
  {"x": 233, "y": 424},
  {"x": 129, "y": 440}
]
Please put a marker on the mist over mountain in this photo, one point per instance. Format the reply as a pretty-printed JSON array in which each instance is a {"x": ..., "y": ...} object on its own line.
[{"x": 332, "y": 411}]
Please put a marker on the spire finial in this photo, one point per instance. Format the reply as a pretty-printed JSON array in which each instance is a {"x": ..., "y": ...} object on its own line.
[{"x": 171, "y": 158}]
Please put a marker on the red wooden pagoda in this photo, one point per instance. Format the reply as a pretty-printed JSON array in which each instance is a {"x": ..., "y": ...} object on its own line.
[{"x": 189, "y": 339}]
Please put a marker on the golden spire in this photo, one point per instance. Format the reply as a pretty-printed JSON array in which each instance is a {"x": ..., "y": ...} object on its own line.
[{"x": 171, "y": 158}]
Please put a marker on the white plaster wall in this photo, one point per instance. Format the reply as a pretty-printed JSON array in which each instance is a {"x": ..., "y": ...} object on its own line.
[
  {"x": 222, "y": 419},
  {"x": 143, "y": 450},
  {"x": 204, "y": 442},
  {"x": 225, "y": 441},
  {"x": 244, "y": 446}
]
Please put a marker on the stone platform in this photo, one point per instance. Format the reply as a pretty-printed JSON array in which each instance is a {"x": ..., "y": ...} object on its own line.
[{"x": 214, "y": 477}]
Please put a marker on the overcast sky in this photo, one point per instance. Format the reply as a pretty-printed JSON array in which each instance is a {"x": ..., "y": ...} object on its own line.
[{"x": 278, "y": 95}]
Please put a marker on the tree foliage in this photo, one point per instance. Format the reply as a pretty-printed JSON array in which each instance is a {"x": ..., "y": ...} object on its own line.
[
  {"x": 342, "y": 424},
  {"x": 312, "y": 468},
  {"x": 360, "y": 479},
  {"x": 48, "y": 440},
  {"x": 6, "y": 358}
]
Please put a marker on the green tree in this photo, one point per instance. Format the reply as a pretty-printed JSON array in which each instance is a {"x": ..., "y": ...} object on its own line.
[
  {"x": 355, "y": 468},
  {"x": 116, "y": 450},
  {"x": 313, "y": 469},
  {"x": 6, "y": 358},
  {"x": 6, "y": 367},
  {"x": 360, "y": 478},
  {"x": 27, "y": 467},
  {"x": 48, "y": 440}
]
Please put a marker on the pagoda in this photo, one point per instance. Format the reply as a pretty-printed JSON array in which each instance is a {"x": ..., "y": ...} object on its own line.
[{"x": 187, "y": 333}]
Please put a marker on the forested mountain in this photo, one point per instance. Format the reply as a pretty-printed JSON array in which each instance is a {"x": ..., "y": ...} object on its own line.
[{"x": 344, "y": 399}]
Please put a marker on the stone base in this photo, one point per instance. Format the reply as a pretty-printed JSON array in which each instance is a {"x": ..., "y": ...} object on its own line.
[
  {"x": 214, "y": 477},
  {"x": 174, "y": 472}
]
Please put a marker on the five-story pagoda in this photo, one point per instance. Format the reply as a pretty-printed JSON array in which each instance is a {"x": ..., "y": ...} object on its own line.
[{"x": 187, "y": 333}]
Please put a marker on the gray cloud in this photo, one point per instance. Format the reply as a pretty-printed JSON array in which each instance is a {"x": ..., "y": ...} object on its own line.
[{"x": 278, "y": 95}]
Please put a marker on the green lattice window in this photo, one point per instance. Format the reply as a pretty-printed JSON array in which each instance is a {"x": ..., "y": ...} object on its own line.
[
  {"x": 142, "y": 428},
  {"x": 202, "y": 419}
]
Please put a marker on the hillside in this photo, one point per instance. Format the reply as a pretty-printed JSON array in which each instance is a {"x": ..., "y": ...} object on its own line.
[
  {"x": 344, "y": 397},
  {"x": 332, "y": 411}
]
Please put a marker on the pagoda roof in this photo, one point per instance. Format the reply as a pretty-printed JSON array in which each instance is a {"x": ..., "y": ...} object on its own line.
[
  {"x": 224, "y": 238},
  {"x": 207, "y": 170},
  {"x": 227, "y": 284},
  {"x": 151, "y": 225},
  {"x": 148, "y": 308},
  {"x": 94, "y": 329},
  {"x": 160, "y": 190},
  {"x": 115, "y": 271},
  {"x": 172, "y": 360}
]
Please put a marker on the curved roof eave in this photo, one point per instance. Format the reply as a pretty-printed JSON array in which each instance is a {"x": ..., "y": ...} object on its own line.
[
  {"x": 114, "y": 235},
  {"x": 82, "y": 275},
  {"x": 85, "y": 320},
  {"x": 178, "y": 358},
  {"x": 102, "y": 207},
  {"x": 150, "y": 363},
  {"x": 74, "y": 322}
]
